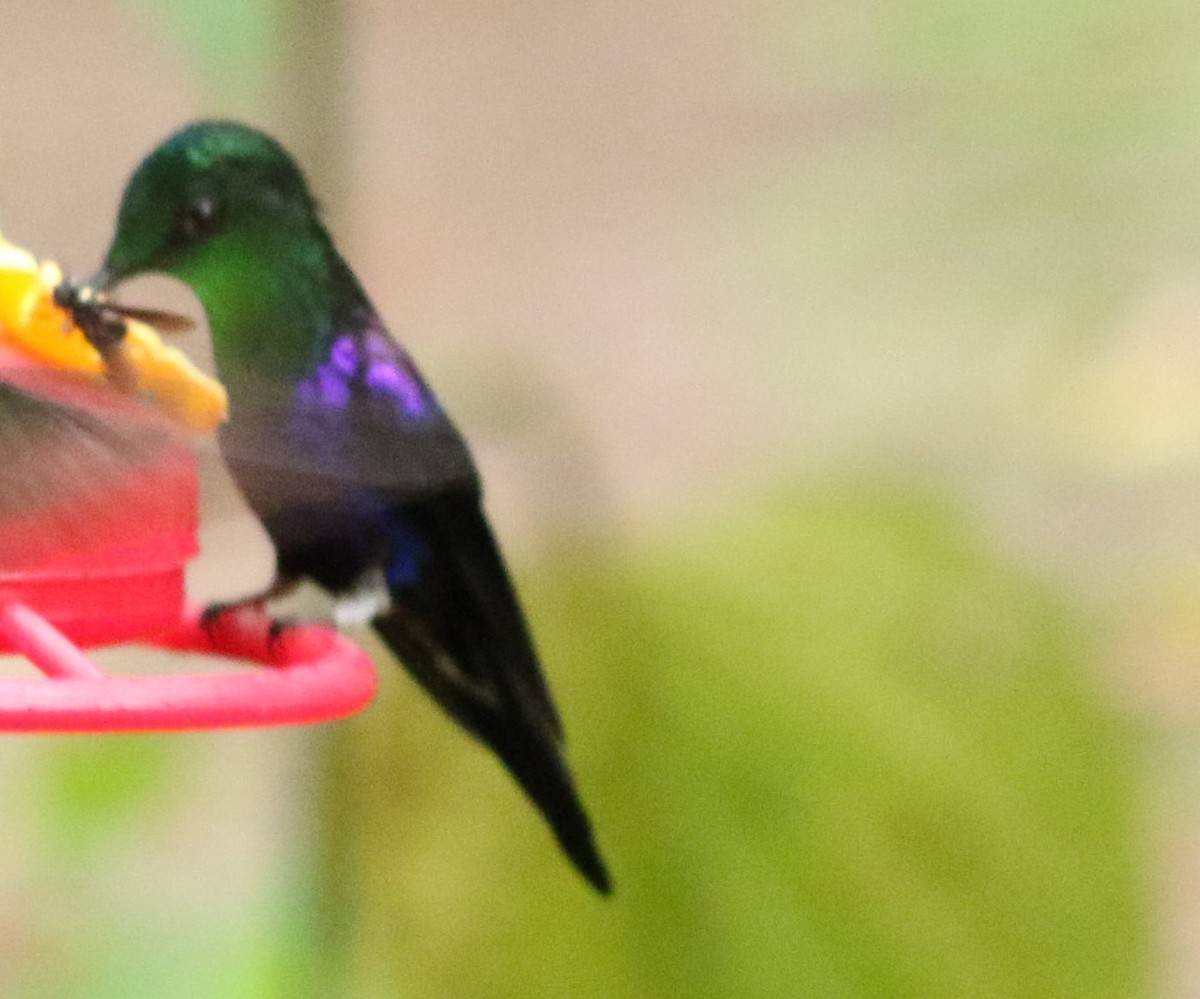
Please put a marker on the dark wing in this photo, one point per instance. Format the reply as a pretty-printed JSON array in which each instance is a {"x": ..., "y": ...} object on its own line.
[
  {"x": 363, "y": 419},
  {"x": 447, "y": 570}
]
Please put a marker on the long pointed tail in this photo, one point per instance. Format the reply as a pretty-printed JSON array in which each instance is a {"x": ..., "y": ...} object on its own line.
[{"x": 456, "y": 626}]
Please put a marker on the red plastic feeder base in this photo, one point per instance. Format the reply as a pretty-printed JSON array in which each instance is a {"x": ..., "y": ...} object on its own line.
[{"x": 122, "y": 580}]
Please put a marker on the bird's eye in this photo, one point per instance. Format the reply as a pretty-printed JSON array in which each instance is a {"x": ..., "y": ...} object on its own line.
[{"x": 197, "y": 221}]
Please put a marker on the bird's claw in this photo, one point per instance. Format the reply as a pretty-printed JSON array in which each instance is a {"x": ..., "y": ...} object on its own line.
[
  {"x": 278, "y": 628},
  {"x": 211, "y": 616}
]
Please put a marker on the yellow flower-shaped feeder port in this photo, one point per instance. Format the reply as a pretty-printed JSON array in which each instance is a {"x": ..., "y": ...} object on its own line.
[{"x": 32, "y": 322}]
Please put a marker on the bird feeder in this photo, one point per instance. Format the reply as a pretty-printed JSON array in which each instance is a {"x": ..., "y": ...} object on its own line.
[{"x": 121, "y": 580}]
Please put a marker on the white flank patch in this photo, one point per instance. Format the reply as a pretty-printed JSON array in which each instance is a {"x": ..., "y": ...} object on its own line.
[{"x": 365, "y": 602}]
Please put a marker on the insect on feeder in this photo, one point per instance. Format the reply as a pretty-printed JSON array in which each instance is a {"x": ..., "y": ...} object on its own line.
[{"x": 95, "y": 533}]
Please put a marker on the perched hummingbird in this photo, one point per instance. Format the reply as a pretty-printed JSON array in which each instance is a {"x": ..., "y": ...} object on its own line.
[{"x": 340, "y": 447}]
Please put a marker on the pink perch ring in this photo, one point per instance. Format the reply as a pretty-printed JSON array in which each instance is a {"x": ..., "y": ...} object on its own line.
[{"x": 314, "y": 675}]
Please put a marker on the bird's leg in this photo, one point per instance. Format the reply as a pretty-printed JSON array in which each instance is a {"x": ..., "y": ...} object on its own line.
[{"x": 280, "y": 586}]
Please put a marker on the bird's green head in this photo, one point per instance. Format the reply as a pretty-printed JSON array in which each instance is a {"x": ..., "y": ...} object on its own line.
[
  {"x": 225, "y": 209},
  {"x": 211, "y": 188}
]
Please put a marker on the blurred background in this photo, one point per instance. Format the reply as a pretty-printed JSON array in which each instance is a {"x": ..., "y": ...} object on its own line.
[{"x": 835, "y": 374}]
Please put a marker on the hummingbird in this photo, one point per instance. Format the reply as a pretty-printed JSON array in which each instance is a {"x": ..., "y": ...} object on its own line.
[{"x": 339, "y": 446}]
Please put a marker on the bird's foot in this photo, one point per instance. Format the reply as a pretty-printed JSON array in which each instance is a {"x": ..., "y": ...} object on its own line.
[
  {"x": 280, "y": 586},
  {"x": 210, "y": 617},
  {"x": 278, "y": 630}
]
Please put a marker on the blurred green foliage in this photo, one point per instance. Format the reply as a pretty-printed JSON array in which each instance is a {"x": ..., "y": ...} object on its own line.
[
  {"x": 832, "y": 749},
  {"x": 96, "y": 806},
  {"x": 96, "y": 788}
]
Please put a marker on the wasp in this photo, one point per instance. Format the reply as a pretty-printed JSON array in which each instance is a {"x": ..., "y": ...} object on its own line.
[{"x": 102, "y": 322}]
